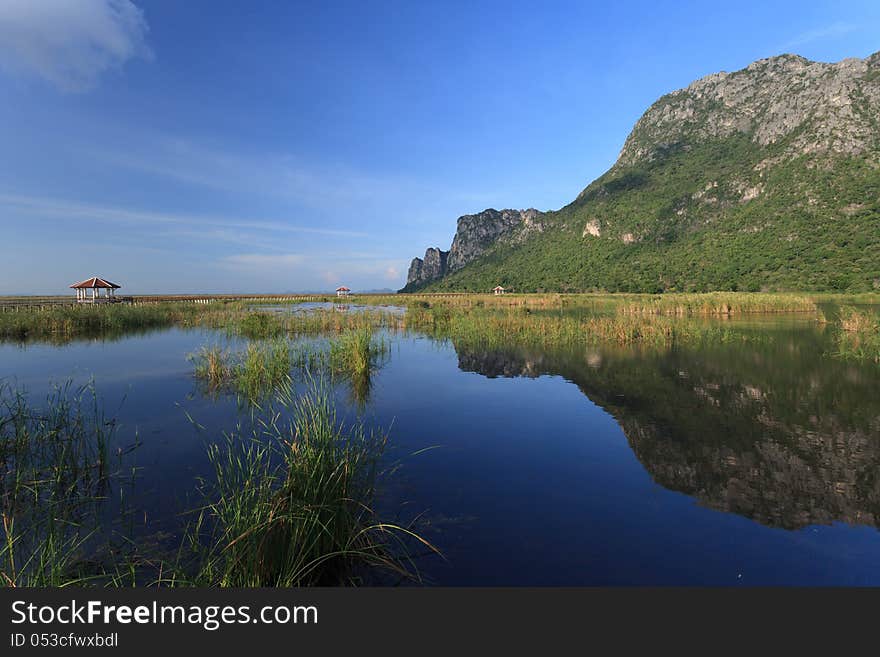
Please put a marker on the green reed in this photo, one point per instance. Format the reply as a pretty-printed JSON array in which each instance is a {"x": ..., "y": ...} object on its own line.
[
  {"x": 291, "y": 503},
  {"x": 858, "y": 337},
  {"x": 253, "y": 372},
  {"x": 55, "y": 472},
  {"x": 523, "y": 327}
]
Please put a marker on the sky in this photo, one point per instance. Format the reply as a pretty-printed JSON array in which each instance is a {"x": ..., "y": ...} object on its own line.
[{"x": 214, "y": 146}]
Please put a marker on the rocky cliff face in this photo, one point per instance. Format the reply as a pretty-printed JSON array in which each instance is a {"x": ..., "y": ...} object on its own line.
[
  {"x": 821, "y": 107},
  {"x": 734, "y": 182},
  {"x": 431, "y": 267},
  {"x": 475, "y": 235}
]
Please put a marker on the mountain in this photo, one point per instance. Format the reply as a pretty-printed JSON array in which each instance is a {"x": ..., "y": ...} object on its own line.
[{"x": 767, "y": 178}]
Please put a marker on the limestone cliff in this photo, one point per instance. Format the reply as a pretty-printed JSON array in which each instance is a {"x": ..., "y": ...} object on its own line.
[
  {"x": 765, "y": 178},
  {"x": 475, "y": 235}
]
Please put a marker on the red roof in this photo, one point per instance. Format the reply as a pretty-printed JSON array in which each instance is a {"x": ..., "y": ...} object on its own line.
[
  {"x": 94, "y": 281},
  {"x": 342, "y": 289}
]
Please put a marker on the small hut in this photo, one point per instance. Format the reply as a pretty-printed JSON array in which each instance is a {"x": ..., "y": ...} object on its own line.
[
  {"x": 342, "y": 291},
  {"x": 90, "y": 290},
  {"x": 498, "y": 290}
]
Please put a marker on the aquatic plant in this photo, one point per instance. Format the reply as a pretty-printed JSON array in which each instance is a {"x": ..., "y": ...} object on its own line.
[
  {"x": 507, "y": 328},
  {"x": 356, "y": 352},
  {"x": 254, "y": 372},
  {"x": 56, "y": 468},
  {"x": 212, "y": 366},
  {"x": 859, "y": 335},
  {"x": 717, "y": 303},
  {"x": 292, "y": 503},
  {"x": 256, "y": 325}
]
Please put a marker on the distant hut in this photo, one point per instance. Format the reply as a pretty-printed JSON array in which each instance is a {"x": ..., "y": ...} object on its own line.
[
  {"x": 342, "y": 291},
  {"x": 90, "y": 290},
  {"x": 498, "y": 290}
]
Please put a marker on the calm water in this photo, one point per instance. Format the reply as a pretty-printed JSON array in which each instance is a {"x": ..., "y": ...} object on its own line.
[{"x": 736, "y": 465}]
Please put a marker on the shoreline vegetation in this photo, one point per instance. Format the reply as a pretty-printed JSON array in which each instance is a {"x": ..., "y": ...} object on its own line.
[
  {"x": 291, "y": 498},
  {"x": 290, "y": 502},
  {"x": 658, "y": 321},
  {"x": 265, "y": 364}
]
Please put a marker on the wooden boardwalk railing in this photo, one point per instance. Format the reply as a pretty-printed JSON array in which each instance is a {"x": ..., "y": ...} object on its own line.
[{"x": 40, "y": 303}]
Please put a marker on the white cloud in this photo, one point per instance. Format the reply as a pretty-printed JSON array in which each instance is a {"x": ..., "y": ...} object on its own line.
[
  {"x": 261, "y": 261},
  {"x": 66, "y": 210},
  {"x": 326, "y": 187},
  {"x": 832, "y": 31},
  {"x": 70, "y": 43}
]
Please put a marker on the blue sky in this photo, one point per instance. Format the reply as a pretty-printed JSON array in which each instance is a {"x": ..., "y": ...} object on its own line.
[{"x": 211, "y": 146}]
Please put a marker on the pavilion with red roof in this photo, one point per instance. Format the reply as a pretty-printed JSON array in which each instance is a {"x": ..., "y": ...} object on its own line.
[
  {"x": 342, "y": 291},
  {"x": 96, "y": 285}
]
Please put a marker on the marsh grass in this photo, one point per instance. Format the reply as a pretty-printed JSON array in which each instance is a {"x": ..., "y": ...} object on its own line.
[
  {"x": 718, "y": 303},
  {"x": 98, "y": 320},
  {"x": 291, "y": 504},
  {"x": 212, "y": 366},
  {"x": 356, "y": 352},
  {"x": 355, "y": 356},
  {"x": 859, "y": 334},
  {"x": 265, "y": 366},
  {"x": 56, "y": 469},
  {"x": 253, "y": 372},
  {"x": 520, "y": 327}
]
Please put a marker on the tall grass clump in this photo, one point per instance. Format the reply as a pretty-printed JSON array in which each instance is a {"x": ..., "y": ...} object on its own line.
[
  {"x": 355, "y": 356},
  {"x": 64, "y": 322},
  {"x": 497, "y": 329},
  {"x": 292, "y": 503},
  {"x": 859, "y": 335},
  {"x": 717, "y": 303},
  {"x": 256, "y": 325},
  {"x": 212, "y": 366},
  {"x": 356, "y": 352},
  {"x": 55, "y": 470},
  {"x": 255, "y": 372}
]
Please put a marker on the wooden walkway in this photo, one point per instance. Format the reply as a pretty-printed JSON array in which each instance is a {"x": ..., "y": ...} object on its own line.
[{"x": 42, "y": 303}]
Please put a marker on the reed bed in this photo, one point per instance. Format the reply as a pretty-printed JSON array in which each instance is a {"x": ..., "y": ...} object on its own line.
[
  {"x": 240, "y": 318},
  {"x": 718, "y": 304},
  {"x": 264, "y": 366},
  {"x": 254, "y": 372},
  {"x": 859, "y": 335},
  {"x": 292, "y": 504},
  {"x": 67, "y": 321},
  {"x": 501, "y": 329},
  {"x": 56, "y": 468}
]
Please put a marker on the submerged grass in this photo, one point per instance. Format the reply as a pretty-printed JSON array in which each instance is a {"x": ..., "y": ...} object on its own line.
[
  {"x": 55, "y": 473},
  {"x": 356, "y": 353},
  {"x": 264, "y": 366},
  {"x": 859, "y": 335},
  {"x": 291, "y": 504},
  {"x": 87, "y": 320},
  {"x": 517, "y": 327},
  {"x": 718, "y": 303},
  {"x": 254, "y": 372}
]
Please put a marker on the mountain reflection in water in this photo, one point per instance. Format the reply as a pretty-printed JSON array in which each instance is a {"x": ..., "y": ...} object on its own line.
[{"x": 778, "y": 433}]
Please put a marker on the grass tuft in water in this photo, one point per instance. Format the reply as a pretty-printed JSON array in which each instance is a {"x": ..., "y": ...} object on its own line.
[
  {"x": 859, "y": 336},
  {"x": 55, "y": 473},
  {"x": 291, "y": 504},
  {"x": 254, "y": 373}
]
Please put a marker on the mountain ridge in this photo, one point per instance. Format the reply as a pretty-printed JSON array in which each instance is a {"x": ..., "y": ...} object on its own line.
[{"x": 763, "y": 178}]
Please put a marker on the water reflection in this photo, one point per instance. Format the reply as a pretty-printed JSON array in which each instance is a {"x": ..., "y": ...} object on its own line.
[{"x": 778, "y": 433}]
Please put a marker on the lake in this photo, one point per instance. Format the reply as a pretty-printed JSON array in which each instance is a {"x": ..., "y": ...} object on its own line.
[{"x": 753, "y": 463}]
